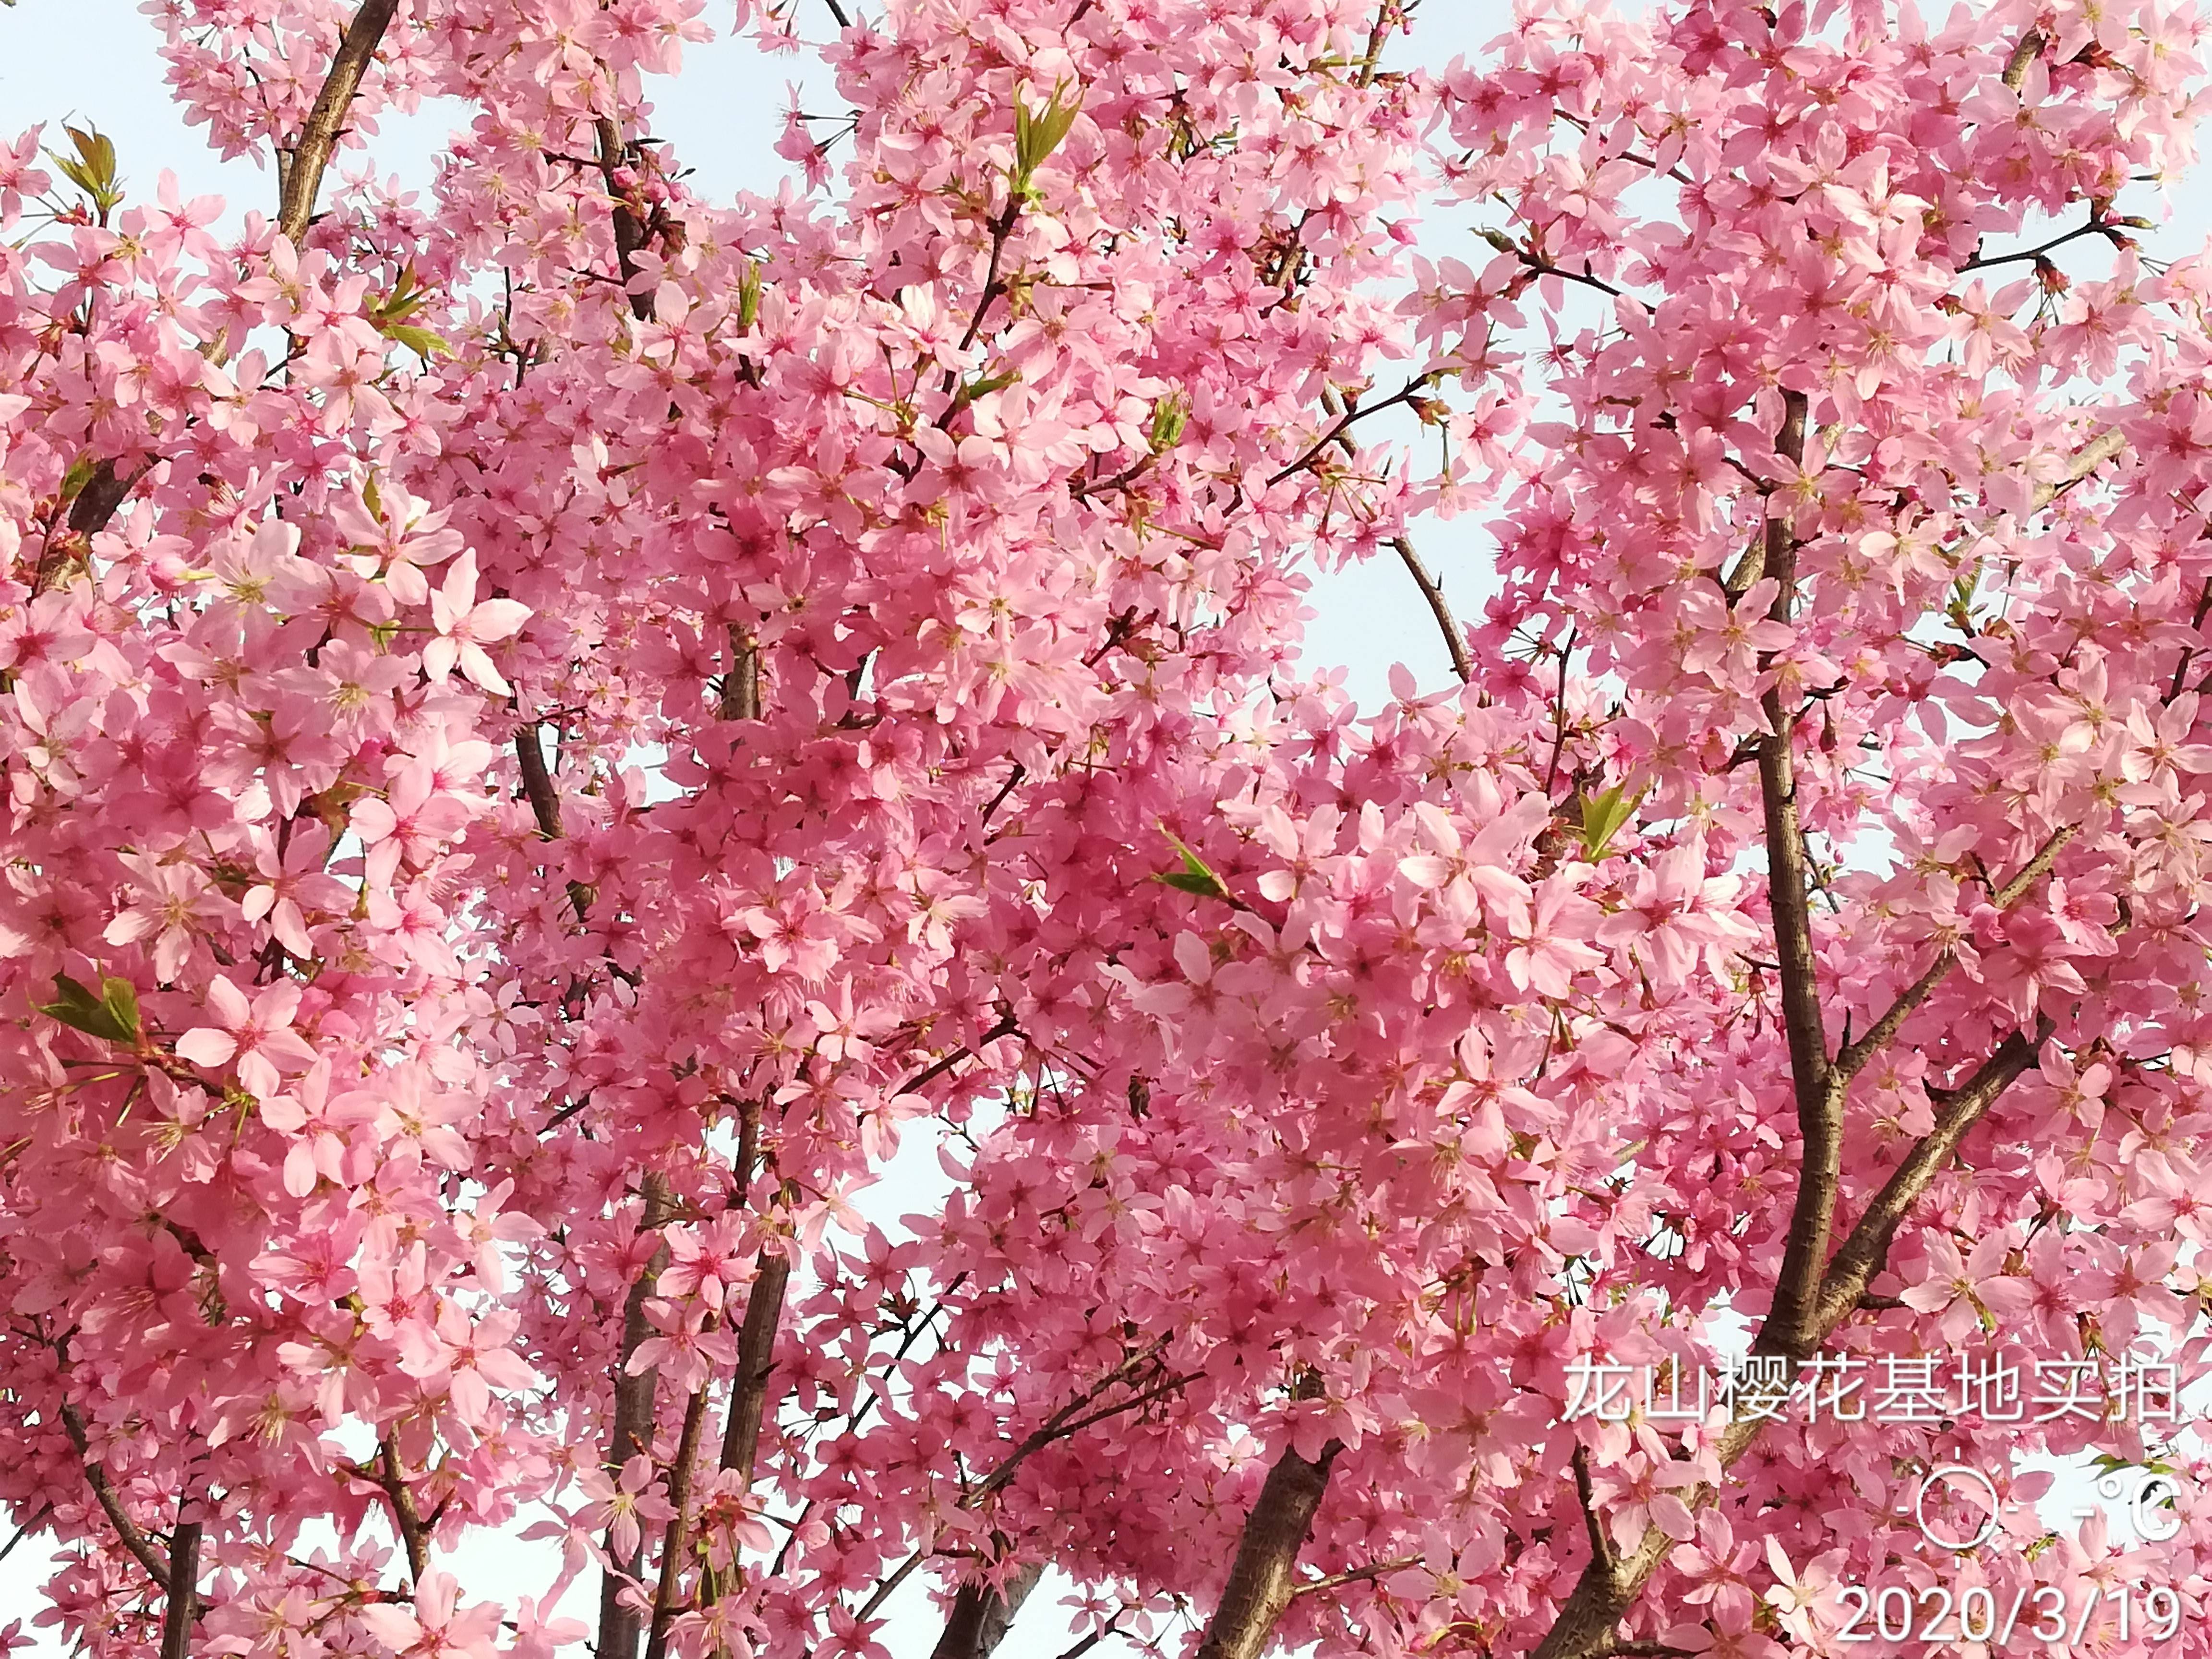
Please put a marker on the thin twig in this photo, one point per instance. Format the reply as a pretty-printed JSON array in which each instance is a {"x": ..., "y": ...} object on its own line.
[
  {"x": 2096, "y": 226},
  {"x": 26, "y": 1529},
  {"x": 1432, "y": 591},
  {"x": 1002, "y": 227},
  {"x": 1076, "y": 1650},
  {"x": 1405, "y": 394},
  {"x": 1357, "y": 1575}
]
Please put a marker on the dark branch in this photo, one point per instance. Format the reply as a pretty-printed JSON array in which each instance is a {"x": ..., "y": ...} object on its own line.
[
  {"x": 1405, "y": 394},
  {"x": 1867, "y": 1250},
  {"x": 1605, "y": 1560},
  {"x": 677, "y": 1536},
  {"x": 1264, "y": 1579},
  {"x": 632, "y": 1434},
  {"x": 184, "y": 1583},
  {"x": 1819, "y": 1096},
  {"x": 413, "y": 1533},
  {"x": 981, "y": 1616},
  {"x": 1855, "y": 1055},
  {"x": 1432, "y": 591},
  {"x": 111, "y": 1503}
]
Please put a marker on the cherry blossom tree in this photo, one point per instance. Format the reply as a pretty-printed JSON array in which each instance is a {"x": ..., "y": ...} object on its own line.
[{"x": 552, "y": 724}]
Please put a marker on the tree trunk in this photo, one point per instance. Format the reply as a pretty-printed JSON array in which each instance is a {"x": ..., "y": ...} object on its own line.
[
  {"x": 981, "y": 1616},
  {"x": 1263, "y": 1580},
  {"x": 619, "y": 1625}
]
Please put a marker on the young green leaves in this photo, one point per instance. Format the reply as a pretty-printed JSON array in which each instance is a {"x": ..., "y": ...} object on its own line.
[
  {"x": 388, "y": 314},
  {"x": 1196, "y": 876},
  {"x": 1603, "y": 815},
  {"x": 1035, "y": 137},
  {"x": 92, "y": 170},
  {"x": 1171, "y": 413},
  {"x": 111, "y": 1015}
]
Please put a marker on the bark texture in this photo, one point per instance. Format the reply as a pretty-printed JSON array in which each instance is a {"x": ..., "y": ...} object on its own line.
[{"x": 1264, "y": 1579}]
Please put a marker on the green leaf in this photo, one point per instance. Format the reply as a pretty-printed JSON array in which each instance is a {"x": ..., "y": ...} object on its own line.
[
  {"x": 92, "y": 170},
  {"x": 78, "y": 476},
  {"x": 420, "y": 341},
  {"x": 1603, "y": 815},
  {"x": 749, "y": 293},
  {"x": 111, "y": 1015},
  {"x": 120, "y": 997},
  {"x": 1196, "y": 876},
  {"x": 1035, "y": 137},
  {"x": 1193, "y": 881},
  {"x": 983, "y": 384},
  {"x": 1170, "y": 414},
  {"x": 406, "y": 299}
]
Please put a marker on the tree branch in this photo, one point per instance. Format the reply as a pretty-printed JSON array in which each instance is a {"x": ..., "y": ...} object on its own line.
[
  {"x": 677, "y": 1536},
  {"x": 303, "y": 177},
  {"x": 981, "y": 1616},
  {"x": 1455, "y": 640},
  {"x": 741, "y": 686},
  {"x": 632, "y": 1434},
  {"x": 1855, "y": 1055},
  {"x": 1819, "y": 1097},
  {"x": 1584, "y": 1627},
  {"x": 755, "y": 1363},
  {"x": 95, "y": 1474},
  {"x": 536, "y": 781},
  {"x": 1405, "y": 394},
  {"x": 1604, "y": 1558},
  {"x": 545, "y": 806},
  {"x": 1263, "y": 1581},
  {"x": 1357, "y": 1575},
  {"x": 630, "y": 230},
  {"x": 93, "y": 506},
  {"x": 412, "y": 1533},
  {"x": 184, "y": 1581},
  {"x": 2086, "y": 459},
  {"x": 1867, "y": 1248}
]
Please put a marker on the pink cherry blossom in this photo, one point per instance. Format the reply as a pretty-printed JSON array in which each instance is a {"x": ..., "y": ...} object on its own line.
[
  {"x": 254, "y": 1036},
  {"x": 564, "y": 731}
]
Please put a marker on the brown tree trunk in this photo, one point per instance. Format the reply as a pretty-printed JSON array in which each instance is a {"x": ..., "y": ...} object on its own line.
[
  {"x": 184, "y": 1585},
  {"x": 620, "y": 1624},
  {"x": 981, "y": 1616},
  {"x": 1264, "y": 1579}
]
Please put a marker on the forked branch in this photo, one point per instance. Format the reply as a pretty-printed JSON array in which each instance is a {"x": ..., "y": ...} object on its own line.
[{"x": 1585, "y": 1626}]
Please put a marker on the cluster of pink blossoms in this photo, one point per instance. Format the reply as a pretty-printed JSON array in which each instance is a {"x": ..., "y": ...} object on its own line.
[{"x": 549, "y": 727}]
